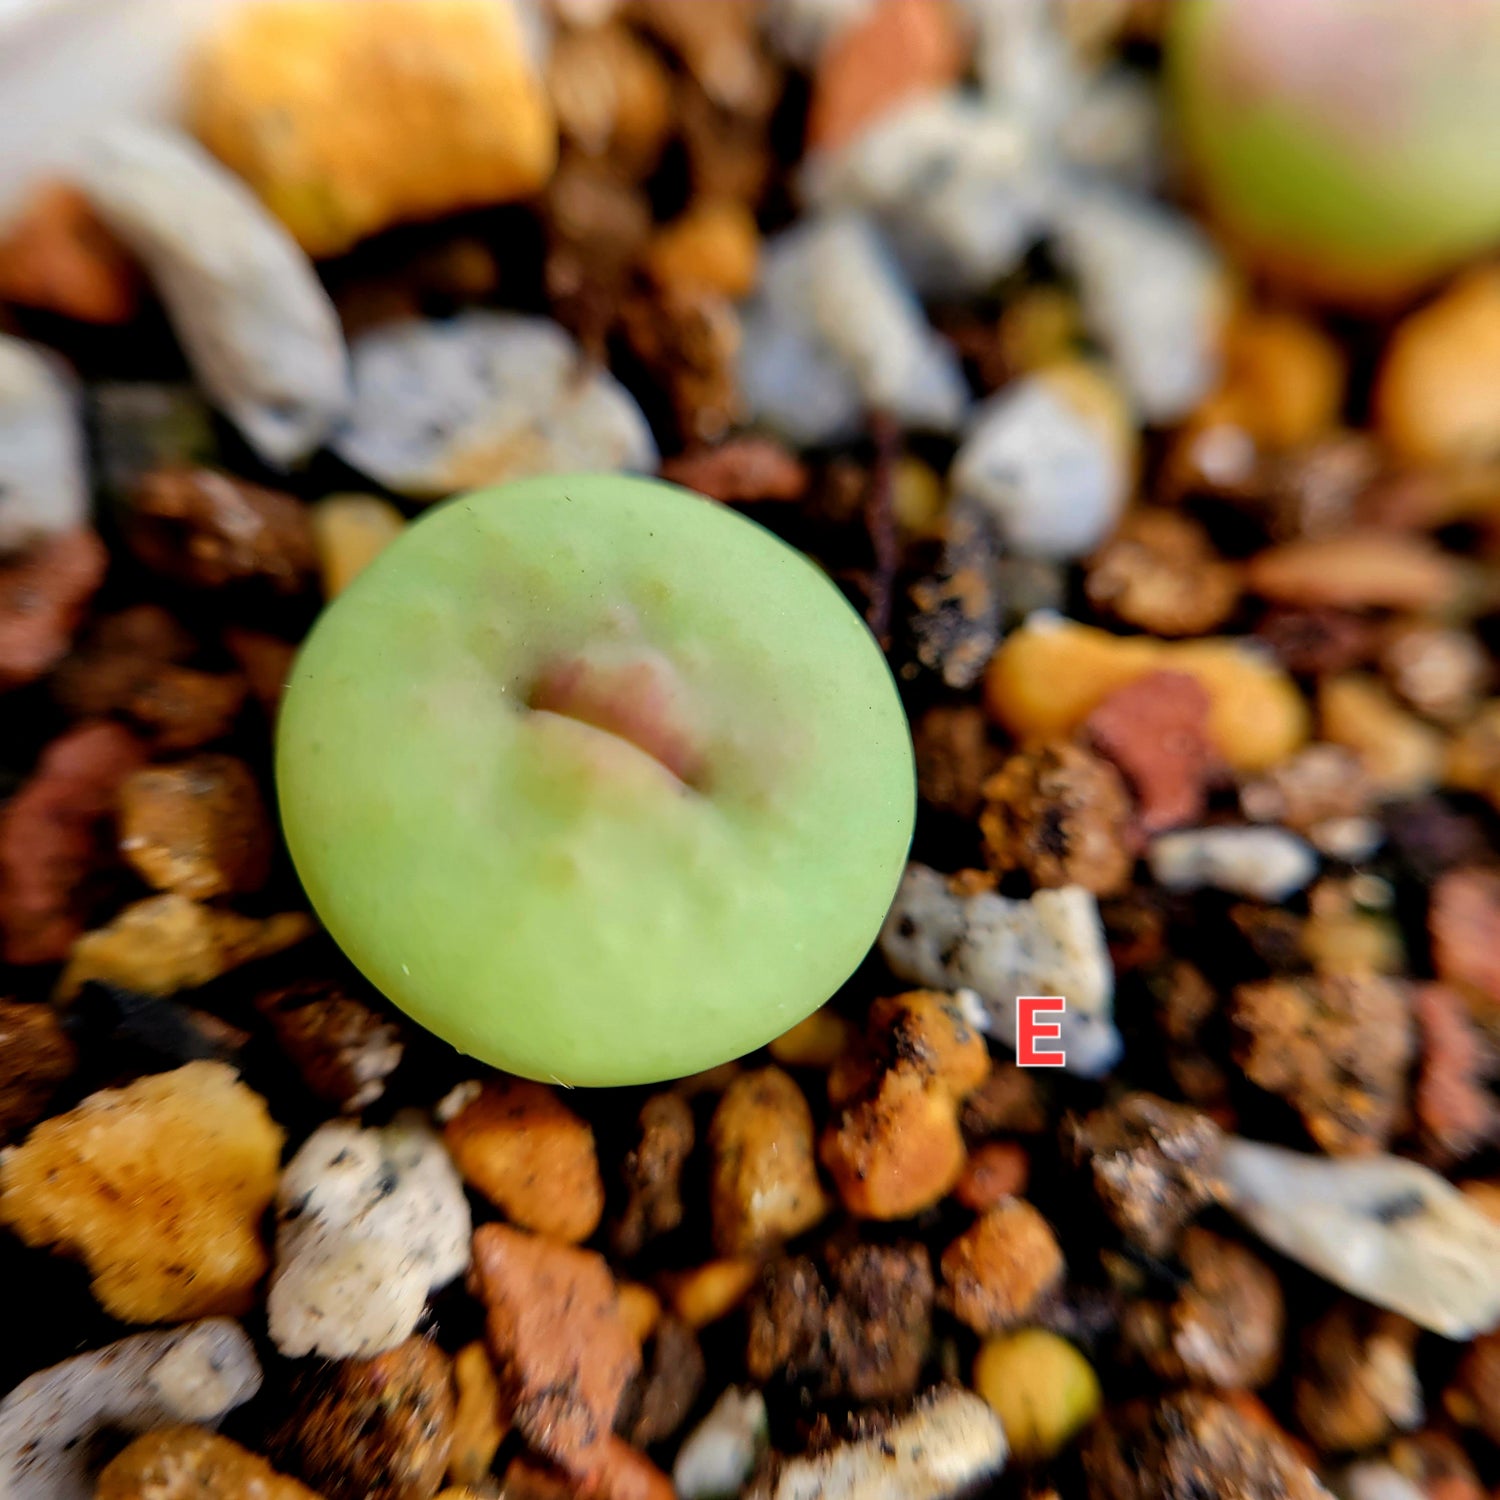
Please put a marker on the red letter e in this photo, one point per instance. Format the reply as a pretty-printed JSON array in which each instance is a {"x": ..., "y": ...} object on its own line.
[{"x": 1030, "y": 1030}]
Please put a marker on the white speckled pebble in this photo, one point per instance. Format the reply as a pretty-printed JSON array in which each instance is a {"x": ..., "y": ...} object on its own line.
[
  {"x": 944, "y": 1446},
  {"x": 1264, "y": 863},
  {"x": 1050, "y": 944},
  {"x": 368, "y": 1223}
]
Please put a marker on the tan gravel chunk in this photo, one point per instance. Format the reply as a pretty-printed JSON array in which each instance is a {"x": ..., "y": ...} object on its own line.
[
  {"x": 199, "y": 828},
  {"x": 1224, "y": 1327},
  {"x": 189, "y": 1463},
  {"x": 168, "y": 943},
  {"x": 1357, "y": 570},
  {"x": 1061, "y": 814},
  {"x": 477, "y": 1428},
  {"x": 1336, "y": 1047},
  {"x": 158, "y": 1188},
  {"x": 1000, "y": 1268},
  {"x": 765, "y": 1178},
  {"x": 896, "y": 1147},
  {"x": 1160, "y": 573}
]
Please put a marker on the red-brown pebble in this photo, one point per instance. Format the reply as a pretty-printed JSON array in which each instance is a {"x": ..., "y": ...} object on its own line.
[
  {"x": 1462, "y": 920},
  {"x": 744, "y": 469},
  {"x": 35, "y": 1057},
  {"x": 1457, "y": 1112},
  {"x": 995, "y": 1171},
  {"x": 50, "y": 839},
  {"x": 897, "y": 49},
  {"x": 43, "y": 595},
  {"x": 563, "y": 1352},
  {"x": 1155, "y": 730}
]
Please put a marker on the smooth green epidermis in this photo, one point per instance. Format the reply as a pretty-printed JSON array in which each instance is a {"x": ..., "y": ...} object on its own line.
[
  {"x": 1391, "y": 200},
  {"x": 549, "y": 895}
]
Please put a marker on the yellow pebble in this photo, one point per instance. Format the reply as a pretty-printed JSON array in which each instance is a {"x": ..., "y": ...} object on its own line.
[
  {"x": 477, "y": 1428},
  {"x": 1098, "y": 399},
  {"x": 1040, "y": 327},
  {"x": 189, "y": 1463},
  {"x": 1401, "y": 755},
  {"x": 1283, "y": 379},
  {"x": 817, "y": 1042},
  {"x": 709, "y": 1292},
  {"x": 1048, "y": 676},
  {"x": 346, "y": 119},
  {"x": 168, "y": 943},
  {"x": 349, "y": 532},
  {"x": 641, "y": 1309},
  {"x": 1473, "y": 756},
  {"x": 1256, "y": 715},
  {"x": 917, "y": 496},
  {"x": 1437, "y": 399},
  {"x": 158, "y": 1187},
  {"x": 1353, "y": 943},
  {"x": 1042, "y": 1389},
  {"x": 715, "y": 244}
]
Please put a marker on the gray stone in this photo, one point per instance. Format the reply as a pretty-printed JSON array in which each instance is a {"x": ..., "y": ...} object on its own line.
[
  {"x": 1053, "y": 477},
  {"x": 254, "y": 321},
  {"x": 195, "y": 1374},
  {"x": 43, "y": 481},
  {"x": 1115, "y": 129},
  {"x": 952, "y": 184},
  {"x": 1264, "y": 863},
  {"x": 441, "y": 407},
  {"x": 721, "y": 1453},
  {"x": 1380, "y": 1227},
  {"x": 836, "y": 331},
  {"x": 1152, "y": 291}
]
